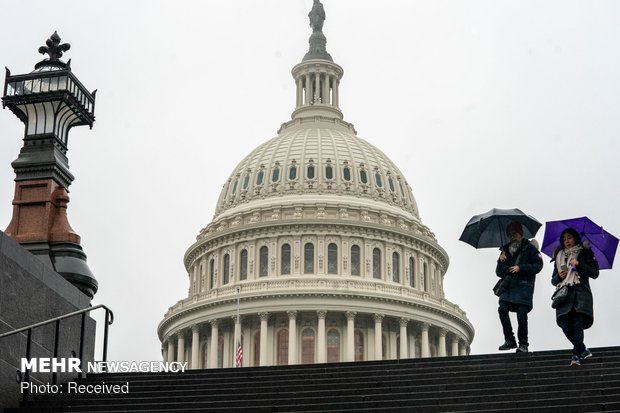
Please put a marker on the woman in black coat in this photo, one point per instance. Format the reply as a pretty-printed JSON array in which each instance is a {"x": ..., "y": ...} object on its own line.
[{"x": 574, "y": 265}]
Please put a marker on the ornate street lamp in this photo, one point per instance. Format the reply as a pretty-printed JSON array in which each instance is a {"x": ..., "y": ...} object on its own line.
[{"x": 50, "y": 101}]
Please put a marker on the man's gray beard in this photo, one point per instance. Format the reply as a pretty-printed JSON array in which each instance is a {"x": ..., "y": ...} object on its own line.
[{"x": 513, "y": 247}]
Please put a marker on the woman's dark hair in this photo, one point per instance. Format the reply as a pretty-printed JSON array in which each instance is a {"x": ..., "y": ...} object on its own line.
[{"x": 571, "y": 231}]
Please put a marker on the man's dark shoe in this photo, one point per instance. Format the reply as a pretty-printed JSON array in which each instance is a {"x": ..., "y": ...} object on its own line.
[
  {"x": 574, "y": 362},
  {"x": 586, "y": 354},
  {"x": 522, "y": 348},
  {"x": 508, "y": 345}
]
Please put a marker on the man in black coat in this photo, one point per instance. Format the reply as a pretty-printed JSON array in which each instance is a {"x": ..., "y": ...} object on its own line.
[{"x": 517, "y": 265}]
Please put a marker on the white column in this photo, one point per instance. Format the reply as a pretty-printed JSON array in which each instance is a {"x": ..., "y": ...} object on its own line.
[
  {"x": 214, "y": 344},
  {"x": 300, "y": 92},
  {"x": 195, "y": 347},
  {"x": 412, "y": 343},
  {"x": 322, "y": 345},
  {"x": 442, "y": 343},
  {"x": 164, "y": 351},
  {"x": 181, "y": 347},
  {"x": 292, "y": 337},
  {"x": 462, "y": 347},
  {"x": 378, "y": 337},
  {"x": 170, "y": 350},
  {"x": 325, "y": 89},
  {"x": 263, "y": 338},
  {"x": 335, "y": 91},
  {"x": 350, "y": 335},
  {"x": 403, "y": 338},
  {"x": 426, "y": 351},
  {"x": 455, "y": 346},
  {"x": 308, "y": 88}
]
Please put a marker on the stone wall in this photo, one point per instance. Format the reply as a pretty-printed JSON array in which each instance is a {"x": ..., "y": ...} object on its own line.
[{"x": 31, "y": 292}]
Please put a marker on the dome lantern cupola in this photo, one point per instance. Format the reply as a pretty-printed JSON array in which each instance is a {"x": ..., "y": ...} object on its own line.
[{"x": 317, "y": 77}]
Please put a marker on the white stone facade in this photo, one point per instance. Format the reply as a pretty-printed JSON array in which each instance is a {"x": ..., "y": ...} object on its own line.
[{"x": 317, "y": 236}]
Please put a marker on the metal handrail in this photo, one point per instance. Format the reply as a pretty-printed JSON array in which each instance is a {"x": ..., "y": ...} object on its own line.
[{"x": 109, "y": 319}]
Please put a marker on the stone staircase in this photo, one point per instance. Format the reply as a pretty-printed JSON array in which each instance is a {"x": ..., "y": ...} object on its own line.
[{"x": 533, "y": 382}]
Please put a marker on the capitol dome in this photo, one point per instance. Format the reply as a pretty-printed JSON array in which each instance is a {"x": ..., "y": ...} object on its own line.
[{"x": 316, "y": 252}]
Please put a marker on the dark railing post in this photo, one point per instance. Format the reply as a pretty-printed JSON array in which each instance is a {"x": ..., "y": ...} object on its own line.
[
  {"x": 82, "y": 328},
  {"x": 106, "y": 323},
  {"x": 27, "y": 375},
  {"x": 56, "y": 340}
]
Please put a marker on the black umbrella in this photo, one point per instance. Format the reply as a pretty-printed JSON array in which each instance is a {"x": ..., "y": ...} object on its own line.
[{"x": 489, "y": 229}]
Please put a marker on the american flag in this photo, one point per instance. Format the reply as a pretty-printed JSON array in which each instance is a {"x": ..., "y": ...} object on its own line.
[{"x": 239, "y": 355}]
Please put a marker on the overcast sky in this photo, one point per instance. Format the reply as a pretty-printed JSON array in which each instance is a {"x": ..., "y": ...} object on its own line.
[{"x": 480, "y": 104}]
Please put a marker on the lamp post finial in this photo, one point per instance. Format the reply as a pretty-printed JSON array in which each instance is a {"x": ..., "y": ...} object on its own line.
[{"x": 54, "y": 48}]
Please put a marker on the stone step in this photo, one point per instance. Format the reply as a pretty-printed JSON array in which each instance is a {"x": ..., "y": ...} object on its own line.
[{"x": 540, "y": 381}]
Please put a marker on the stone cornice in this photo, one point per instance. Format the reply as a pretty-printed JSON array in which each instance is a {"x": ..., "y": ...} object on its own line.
[{"x": 347, "y": 292}]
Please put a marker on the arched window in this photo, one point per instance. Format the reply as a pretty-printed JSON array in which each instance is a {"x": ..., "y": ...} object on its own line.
[
  {"x": 285, "y": 260},
  {"x": 310, "y": 172},
  {"x": 355, "y": 260},
  {"x": 234, "y": 187},
  {"x": 243, "y": 265},
  {"x": 378, "y": 180},
  {"x": 346, "y": 173},
  {"x": 309, "y": 258},
  {"x": 275, "y": 174},
  {"x": 292, "y": 173},
  {"x": 260, "y": 176},
  {"x": 246, "y": 181},
  {"x": 226, "y": 270},
  {"x": 359, "y": 345},
  {"x": 282, "y": 349},
  {"x": 263, "y": 269},
  {"x": 332, "y": 259},
  {"x": 391, "y": 183},
  {"x": 256, "y": 349},
  {"x": 205, "y": 356},
  {"x": 395, "y": 267},
  {"x": 411, "y": 272},
  {"x": 307, "y": 346},
  {"x": 202, "y": 277},
  {"x": 425, "y": 278},
  {"x": 220, "y": 350},
  {"x": 212, "y": 273},
  {"x": 363, "y": 176},
  {"x": 376, "y": 263},
  {"x": 329, "y": 172},
  {"x": 384, "y": 348},
  {"x": 333, "y": 346},
  {"x": 402, "y": 191}
]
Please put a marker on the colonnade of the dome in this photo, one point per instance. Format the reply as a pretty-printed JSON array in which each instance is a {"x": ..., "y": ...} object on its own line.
[
  {"x": 320, "y": 254},
  {"x": 305, "y": 337},
  {"x": 317, "y": 83}
]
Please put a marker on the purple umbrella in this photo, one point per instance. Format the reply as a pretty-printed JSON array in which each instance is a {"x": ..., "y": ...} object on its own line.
[{"x": 603, "y": 244}]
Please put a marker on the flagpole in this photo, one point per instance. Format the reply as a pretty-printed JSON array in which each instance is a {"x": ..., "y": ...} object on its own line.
[{"x": 238, "y": 350}]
